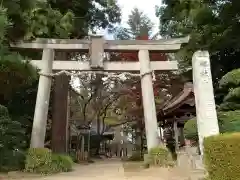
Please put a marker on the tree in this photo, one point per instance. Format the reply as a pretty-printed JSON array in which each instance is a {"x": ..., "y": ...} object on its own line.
[
  {"x": 89, "y": 14},
  {"x": 229, "y": 91},
  {"x": 14, "y": 73},
  {"x": 15, "y": 10},
  {"x": 94, "y": 97},
  {"x": 139, "y": 25},
  {"x": 166, "y": 84},
  {"x": 34, "y": 18},
  {"x": 212, "y": 25},
  {"x": 98, "y": 101},
  {"x": 27, "y": 20},
  {"x": 31, "y": 19},
  {"x": 12, "y": 142}
]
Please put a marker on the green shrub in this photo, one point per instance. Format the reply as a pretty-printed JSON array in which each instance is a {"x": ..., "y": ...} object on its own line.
[
  {"x": 227, "y": 121},
  {"x": 43, "y": 161},
  {"x": 159, "y": 156},
  {"x": 11, "y": 143},
  {"x": 64, "y": 162},
  {"x": 37, "y": 160},
  {"x": 11, "y": 160},
  {"x": 73, "y": 155},
  {"x": 136, "y": 156},
  {"x": 222, "y": 156},
  {"x": 11, "y": 132},
  {"x": 190, "y": 130},
  {"x": 3, "y": 111}
]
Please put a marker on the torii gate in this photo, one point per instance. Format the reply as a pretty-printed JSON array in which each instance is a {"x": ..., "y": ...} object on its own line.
[{"x": 97, "y": 46}]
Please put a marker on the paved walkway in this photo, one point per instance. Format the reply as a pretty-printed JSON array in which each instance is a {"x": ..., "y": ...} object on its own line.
[
  {"x": 102, "y": 170},
  {"x": 115, "y": 170}
]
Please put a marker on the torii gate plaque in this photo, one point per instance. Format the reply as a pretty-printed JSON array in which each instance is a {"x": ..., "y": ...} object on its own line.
[{"x": 97, "y": 46}]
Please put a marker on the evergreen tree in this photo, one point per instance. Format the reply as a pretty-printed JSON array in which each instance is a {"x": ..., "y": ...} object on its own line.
[
  {"x": 138, "y": 25},
  {"x": 12, "y": 142}
]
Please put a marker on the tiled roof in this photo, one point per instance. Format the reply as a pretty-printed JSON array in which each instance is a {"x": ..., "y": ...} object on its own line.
[{"x": 185, "y": 96}]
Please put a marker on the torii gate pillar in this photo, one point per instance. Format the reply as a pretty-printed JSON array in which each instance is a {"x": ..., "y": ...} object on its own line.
[
  {"x": 150, "y": 117},
  {"x": 42, "y": 102}
]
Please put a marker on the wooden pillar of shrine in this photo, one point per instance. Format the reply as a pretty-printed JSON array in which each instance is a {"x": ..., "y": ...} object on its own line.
[
  {"x": 181, "y": 135},
  {"x": 59, "y": 138},
  {"x": 175, "y": 128}
]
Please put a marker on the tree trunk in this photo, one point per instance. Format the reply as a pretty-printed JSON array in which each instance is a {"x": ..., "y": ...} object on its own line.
[
  {"x": 60, "y": 110},
  {"x": 99, "y": 138},
  {"x": 60, "y": 115}
]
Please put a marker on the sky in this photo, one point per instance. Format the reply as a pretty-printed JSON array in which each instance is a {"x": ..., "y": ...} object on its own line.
[{"x": 147, "y": 6}]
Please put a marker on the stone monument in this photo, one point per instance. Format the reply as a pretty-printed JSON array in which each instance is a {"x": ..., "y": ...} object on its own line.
[{"x": 207, "y": 122}]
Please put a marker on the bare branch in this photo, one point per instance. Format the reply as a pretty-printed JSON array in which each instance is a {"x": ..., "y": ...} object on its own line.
[
  {"x": 75, "y": 92},
  {"x": 85, "y": 106}
]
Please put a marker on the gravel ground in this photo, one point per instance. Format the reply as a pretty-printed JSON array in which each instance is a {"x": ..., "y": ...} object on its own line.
[{"x": 113, "y": 170}]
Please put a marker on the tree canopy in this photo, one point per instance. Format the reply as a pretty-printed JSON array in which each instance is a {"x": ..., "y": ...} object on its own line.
[
  {"x": 212, "y": 25},
  {"x": 30, "y": 19},
  {"x": 138, "y": 24},
  {"x": 167, "y": 84},
  {"x": 59, "y": 18},
  {"x": 89, "y": 14}
]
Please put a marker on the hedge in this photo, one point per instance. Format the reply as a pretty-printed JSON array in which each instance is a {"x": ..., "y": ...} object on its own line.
[
  {"x": 159, "y": 156},
  {"x": 190, "y": 130},
  {"x": 136, "y": 156},
  {"x": 222, "y": 156},
  {"x": 43, "y": 161},
  {"x": 228, "y": 122}
]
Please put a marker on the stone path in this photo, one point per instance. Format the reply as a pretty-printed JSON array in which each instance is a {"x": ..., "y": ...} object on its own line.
[{"x": 115, "y": 170}]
